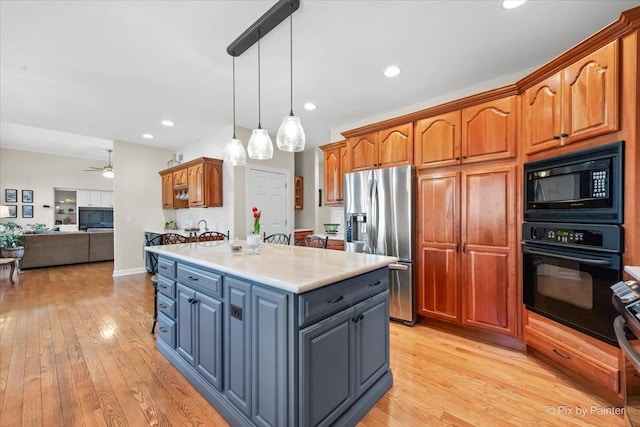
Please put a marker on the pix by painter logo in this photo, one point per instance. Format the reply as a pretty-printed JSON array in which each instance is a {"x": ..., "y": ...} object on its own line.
[{"x": 579, "y": 411}]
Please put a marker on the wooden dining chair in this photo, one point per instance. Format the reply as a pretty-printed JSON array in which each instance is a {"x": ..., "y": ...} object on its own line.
[
  {"x": 212, "y": 235},
  {"x": 160, "y": 239},
  {"x": 315, "y": 241},
  {"x": 278, "y": 238}
]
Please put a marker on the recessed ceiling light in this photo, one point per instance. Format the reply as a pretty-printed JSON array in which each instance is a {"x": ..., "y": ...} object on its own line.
[
  {"x": 392, "y": 71},
  {"x": 512, "y": 4},
  {"x": 310, "y": 106},
  {"x": 147, "y": 136},
  {"x": 167, "y": 123}
]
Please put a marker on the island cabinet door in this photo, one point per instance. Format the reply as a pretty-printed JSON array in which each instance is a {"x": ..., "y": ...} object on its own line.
[
  {"x": 186, "y": 342},
  {"x": 372, "y": 341},
  {"x": 237, "y": 343},
  {"x": 209, "y": 339},
  {"x": 327, "y": 369},
  {"x": 269, "y": 357}
]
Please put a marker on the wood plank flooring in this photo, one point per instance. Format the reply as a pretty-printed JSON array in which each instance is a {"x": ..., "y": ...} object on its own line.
[{"x": 75, "y": 350}]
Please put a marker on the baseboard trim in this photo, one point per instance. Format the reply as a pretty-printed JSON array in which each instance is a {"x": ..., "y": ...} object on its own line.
[{"x": 129, "y": 271}]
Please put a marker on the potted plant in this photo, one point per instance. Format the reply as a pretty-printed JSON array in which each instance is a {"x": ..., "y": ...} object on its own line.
[{"x": 10, "y": 241}]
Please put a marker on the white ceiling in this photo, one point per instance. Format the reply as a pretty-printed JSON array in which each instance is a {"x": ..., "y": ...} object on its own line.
[{"x": 112, "y": 70}]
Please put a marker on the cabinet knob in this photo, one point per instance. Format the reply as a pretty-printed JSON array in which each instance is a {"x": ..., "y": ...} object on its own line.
[
  {"x": 163, "y": 329},
  {"x": 163, "y": 305},
  {"x": 564, "y": 134},
  {"x": 456, "y": 158},
  {"x": 464, "y": 157},
  {"x": 556, "y": 137},
  {"x": 190, "y": 300}
]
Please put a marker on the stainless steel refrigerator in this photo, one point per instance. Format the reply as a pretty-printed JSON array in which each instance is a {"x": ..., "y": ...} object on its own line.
[{"x": 379, "y": 207}]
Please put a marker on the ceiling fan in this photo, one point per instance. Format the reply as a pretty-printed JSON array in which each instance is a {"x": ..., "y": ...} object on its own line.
[{"x": 107, "y": 171}]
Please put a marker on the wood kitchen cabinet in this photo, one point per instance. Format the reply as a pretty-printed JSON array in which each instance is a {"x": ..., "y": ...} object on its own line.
[
  {"x": 200, "y": 178},
  {"x": 483, "y": 132},
  {"x": 489, "y": 131},
  {"x": 575, "y": 104},
  {"x": 385, "y": 148},
  {"x": 167, "y": 191},
  {"x": 336, "y": 164},
  {"x": 467, "y": 247}
]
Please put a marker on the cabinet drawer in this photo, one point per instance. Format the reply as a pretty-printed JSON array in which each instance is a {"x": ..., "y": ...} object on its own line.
[
  {"x": 167, "y": 330},
  {"x": 207, "y": 282},
  {"x": 167, "y": 287},
  {"x": 335, "y": 244},
  {"x": 167, "y": 306},
  {"x": 574, "y": 360},
  {"x": 320, "y": 303},
  {"x": 166, "y": 267}
]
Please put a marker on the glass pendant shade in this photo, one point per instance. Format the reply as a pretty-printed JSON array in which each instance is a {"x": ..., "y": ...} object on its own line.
[
  {"x": 290, "y": 135},
  {"x": 236, "y": 156},
  {"x": 108, "y": 173},
  {"x": 260, "y": 146}
]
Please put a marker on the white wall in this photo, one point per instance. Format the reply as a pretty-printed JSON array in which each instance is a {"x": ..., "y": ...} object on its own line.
[
  {"x": 40, "y": 172},
  {"x": 137, "y": 188},
  {"x": 232, "y": 216},
  {"x": 452, "y": 96}
]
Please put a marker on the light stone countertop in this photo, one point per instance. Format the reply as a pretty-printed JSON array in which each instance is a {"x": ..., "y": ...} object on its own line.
[
  {"x": 634, "y": 271},
  {"x": 290, "y": 268}
]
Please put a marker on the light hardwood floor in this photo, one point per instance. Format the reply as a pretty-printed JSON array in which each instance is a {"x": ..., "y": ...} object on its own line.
[{"x": 75, "y": 350}]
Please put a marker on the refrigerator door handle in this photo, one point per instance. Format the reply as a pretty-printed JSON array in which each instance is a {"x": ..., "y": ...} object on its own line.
[{"x": 398, "y": 267}]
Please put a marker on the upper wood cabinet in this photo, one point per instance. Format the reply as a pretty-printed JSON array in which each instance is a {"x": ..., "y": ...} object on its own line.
[
  {"x": 479, "y": 133},
  {"x": 200, "y": 178},
  {"x": 336, "y": 164},
  {"x": 385, "y": 148},
  {"x": 489, "y": 131},
  {"x": 577, "y": 103},
  {"x": 167, "y": 191},
  {"x": 437, "y": 140},
  {"x": 180, "y": 178}
]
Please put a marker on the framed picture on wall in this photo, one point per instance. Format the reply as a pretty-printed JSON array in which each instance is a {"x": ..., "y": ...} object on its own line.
[
  {"x": 27, "y": 196},
  {"x": 13, "y": 211},
  {"x": 27, "y": 211},
  {"x": 10, "y": 195}
]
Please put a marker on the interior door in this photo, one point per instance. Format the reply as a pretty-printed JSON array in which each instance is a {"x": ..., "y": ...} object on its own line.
[{"x": 267, "y": 189}]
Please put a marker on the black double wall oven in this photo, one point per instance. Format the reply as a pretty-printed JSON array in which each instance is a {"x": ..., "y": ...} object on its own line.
[{"x": 573, "y": 238}]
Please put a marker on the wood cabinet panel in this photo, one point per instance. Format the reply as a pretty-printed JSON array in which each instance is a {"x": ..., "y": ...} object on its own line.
[
  {"x": 332, "y": 177},
  {"x": 437, "y": 140},
  {"x": 167, "y": 191},
  {"x": 591, "y": 95},
  {"x": 395, "y": 146},
  {"x": 180, "y": 178},
  {"x": 438, "y": 237},
  {"x": 489, "y": 249},
  {"x": 335, "y": 244},
  {"x": 489, "y": 131},
  {"x": 195, "y": 179},
  {"x": 363, "y": 152},
  {"x": 542, "y": 114},
  {"x": 298, "y": 192}
]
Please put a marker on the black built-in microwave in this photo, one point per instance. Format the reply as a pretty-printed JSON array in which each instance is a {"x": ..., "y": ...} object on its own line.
[{"x": 583, "y": 186}]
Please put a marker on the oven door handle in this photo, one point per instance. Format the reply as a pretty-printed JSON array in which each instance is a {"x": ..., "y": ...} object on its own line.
[
  {"x": 618, "y": 328},
  {"x": 604, "y": 262}
]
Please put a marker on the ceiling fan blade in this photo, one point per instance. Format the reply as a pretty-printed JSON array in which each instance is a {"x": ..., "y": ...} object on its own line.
[{"x": 93, "y": 170}]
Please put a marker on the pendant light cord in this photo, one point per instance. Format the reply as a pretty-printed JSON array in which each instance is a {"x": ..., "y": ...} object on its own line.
[
  {"x": 234, "y": 97},
  {"x": 291, "y": 57},
  {"x": 259, "y": 125}
]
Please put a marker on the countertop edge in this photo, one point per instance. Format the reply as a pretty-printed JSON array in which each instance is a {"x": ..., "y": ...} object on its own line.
[
  {"x": 633, "y": 271},
  {"x": 279, "y": 284}
]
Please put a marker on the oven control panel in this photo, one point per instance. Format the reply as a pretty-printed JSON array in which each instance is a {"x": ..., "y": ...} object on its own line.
[{"x": 600, "y": 237}]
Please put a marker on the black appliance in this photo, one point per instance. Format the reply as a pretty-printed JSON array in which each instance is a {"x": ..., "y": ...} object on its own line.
[
  {"x": 584, "y": 186},
  {"x": 626, "y": 299},
  {"x": 95, "y": 218},
  {"x": 568, "y": 270}
]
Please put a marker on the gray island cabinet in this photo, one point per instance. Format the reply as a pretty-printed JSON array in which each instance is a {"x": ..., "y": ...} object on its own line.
[{"x": 266, "y": 352}]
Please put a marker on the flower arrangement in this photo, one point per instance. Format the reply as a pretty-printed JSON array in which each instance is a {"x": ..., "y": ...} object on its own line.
[
  {"x": 256, "y": 220},
  {"x": 10, "y": 235}
]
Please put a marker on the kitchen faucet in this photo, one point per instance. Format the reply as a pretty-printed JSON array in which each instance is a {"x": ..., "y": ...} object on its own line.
[{"x": 205, "y": 224}]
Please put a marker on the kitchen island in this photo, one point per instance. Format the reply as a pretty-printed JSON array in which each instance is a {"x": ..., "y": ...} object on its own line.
[{"x": 291, "y": 336}]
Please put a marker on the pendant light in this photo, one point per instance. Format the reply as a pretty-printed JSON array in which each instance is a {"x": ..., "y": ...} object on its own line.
[
  {"x": 260, "y": 146},
  {"x": 291, "y": 135},
  {"x": 235, "y": 155}
]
